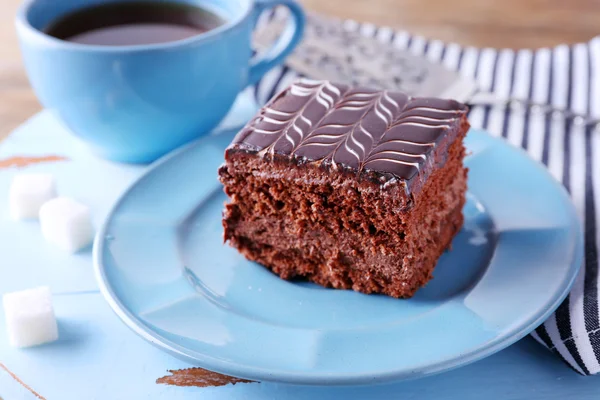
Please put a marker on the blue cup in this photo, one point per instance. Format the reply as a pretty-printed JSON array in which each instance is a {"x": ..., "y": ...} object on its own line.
[{"x": 136, "y": 103}]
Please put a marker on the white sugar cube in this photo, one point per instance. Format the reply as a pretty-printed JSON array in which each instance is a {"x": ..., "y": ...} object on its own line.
[
  {"x": 27, "y": 194},
  {"x": 66, "y": 223},
  {"x": 30, "y": 319}
]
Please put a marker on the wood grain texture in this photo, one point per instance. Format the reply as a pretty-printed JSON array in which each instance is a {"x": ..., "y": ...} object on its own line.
[
  {"x": 199, "y": 377},
  {"x": 17, "y": 101},
  {"x": 24, "y": 161},
  {"x": 508, "y": 23},
  {"x": 16, "y": 378}
]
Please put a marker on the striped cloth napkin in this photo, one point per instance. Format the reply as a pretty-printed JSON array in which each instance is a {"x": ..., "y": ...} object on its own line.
[{"x": 565, "y": 76}]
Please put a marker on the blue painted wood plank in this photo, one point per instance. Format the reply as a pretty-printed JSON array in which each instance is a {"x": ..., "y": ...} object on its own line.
[
  {"x": 11, "y": 389},
  {"x": 97, "y": 357}
]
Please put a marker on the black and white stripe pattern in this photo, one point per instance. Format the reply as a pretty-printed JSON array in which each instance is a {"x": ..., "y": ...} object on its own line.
[{"x": 565, "y": 76}]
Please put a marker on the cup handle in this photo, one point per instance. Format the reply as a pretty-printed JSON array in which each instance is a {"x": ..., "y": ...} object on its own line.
[{"x": 287, "y": 41}]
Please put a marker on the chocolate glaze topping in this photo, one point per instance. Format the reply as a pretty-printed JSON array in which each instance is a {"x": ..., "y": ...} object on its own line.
[{"x": 386, "y": 133}]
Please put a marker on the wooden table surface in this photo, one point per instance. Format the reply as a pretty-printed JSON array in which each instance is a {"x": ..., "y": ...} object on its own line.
[{"x": 508, "y": 23}]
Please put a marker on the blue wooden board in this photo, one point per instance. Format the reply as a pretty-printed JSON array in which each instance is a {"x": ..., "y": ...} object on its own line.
[{"x": 97, "y": 357}]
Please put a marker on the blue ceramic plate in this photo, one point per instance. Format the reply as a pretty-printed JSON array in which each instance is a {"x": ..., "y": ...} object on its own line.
[{"x": 163, "y": 268}]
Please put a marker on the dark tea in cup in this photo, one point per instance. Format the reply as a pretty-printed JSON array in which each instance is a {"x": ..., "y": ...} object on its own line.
[{"x": 133, "y": 23}]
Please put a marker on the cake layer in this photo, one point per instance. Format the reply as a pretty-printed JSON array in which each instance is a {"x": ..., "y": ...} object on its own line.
[
  {"x": 342, "y": 260},
  {"x": 349, "y": 188},
  {"x": 320, "y": 260},
  {"x": 335, "y": 236}
]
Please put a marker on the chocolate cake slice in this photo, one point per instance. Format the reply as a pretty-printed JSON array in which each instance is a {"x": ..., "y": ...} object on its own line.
[{"x": 349, "y": 188}]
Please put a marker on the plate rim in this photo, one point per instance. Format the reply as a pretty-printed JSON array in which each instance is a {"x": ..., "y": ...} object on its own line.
[{"x": 307, "y": 378}]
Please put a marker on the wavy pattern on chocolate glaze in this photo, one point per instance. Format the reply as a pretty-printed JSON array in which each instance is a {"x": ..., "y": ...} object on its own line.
[{"x": 362, "y": 129}]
